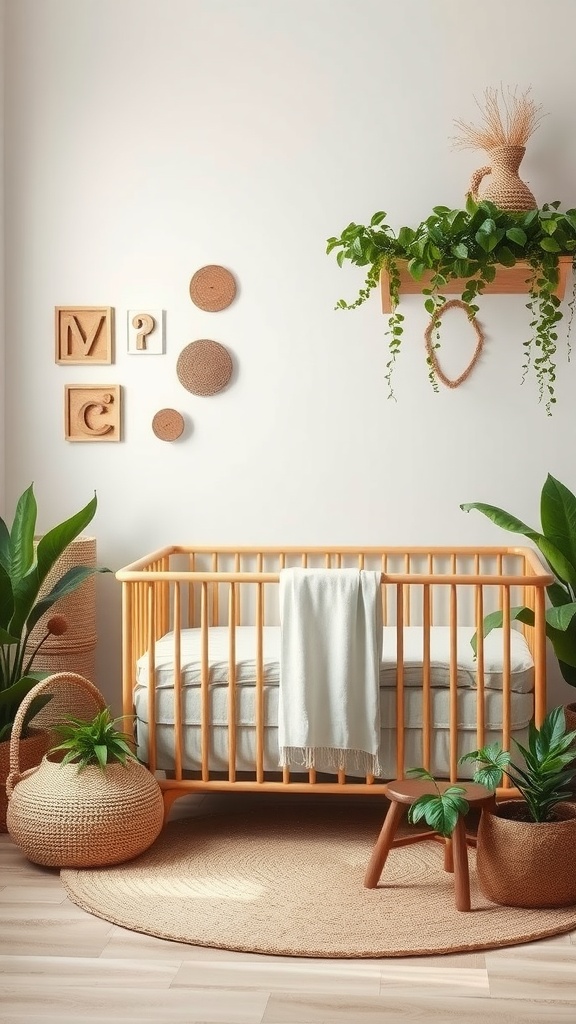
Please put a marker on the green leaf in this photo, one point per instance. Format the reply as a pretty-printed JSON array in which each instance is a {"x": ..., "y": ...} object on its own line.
[
  {"x": 416, "y": 269},
  {"x": 558, "y": 517},
  {"x": 505, "y": 256},
  {"x": 70, "y": 582},
  {"x": 22, "y": 535},
  {"x": 549, "y": 245},
  {"x": 517, "y": 235},
  {"x": 460, "y": 250},
  {"x": 48, "y": 551},
  {"x": 6, "y": 600},
  {"x": 430, "y": 306},
  {"x": 502, "y": 519},
  {"x": 377, "y": 218},
  {"x": 488, "y": 227},
  {"x": 4, "y": 545},
  {"x": 494, "y": 620}
]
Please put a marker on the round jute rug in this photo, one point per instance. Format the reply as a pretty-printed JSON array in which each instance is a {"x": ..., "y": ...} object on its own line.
[{"x": 289, "y": 882}]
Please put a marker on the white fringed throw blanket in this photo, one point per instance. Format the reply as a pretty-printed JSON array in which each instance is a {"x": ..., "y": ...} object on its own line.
[{"x": 331, "y": 640}]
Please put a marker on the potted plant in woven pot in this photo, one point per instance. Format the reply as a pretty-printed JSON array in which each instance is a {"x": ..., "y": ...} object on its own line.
[
  {"x": 525, "y": 848},
  {"x": 556, "y": 541},
  {"x": 90, "y": 802},
  {"x": 25, "y": 563}
]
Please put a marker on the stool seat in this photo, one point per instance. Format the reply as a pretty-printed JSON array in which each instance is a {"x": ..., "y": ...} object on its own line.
[
  {"x": 406, "y": 791},
  {"x": 403, "y": 793}
]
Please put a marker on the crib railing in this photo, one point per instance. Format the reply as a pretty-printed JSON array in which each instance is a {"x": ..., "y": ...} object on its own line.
[{"x": 182, "y": 587}]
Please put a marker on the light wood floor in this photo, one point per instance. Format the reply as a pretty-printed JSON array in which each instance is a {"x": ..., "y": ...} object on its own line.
[{"x": 59, "y": 964}]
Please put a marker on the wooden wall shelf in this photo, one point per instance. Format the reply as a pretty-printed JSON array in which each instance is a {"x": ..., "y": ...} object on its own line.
[{"x": 508, "y": 281}]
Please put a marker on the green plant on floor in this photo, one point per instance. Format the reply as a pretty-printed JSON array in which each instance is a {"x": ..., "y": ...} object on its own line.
[
  {"x": 557, "y": 543},
  {"x": 544, "y": 776},
  {"x": 469, "y": 243},
  {"x": 440, "y": 810},
  {"x": 98, "y": 742},
  {"x": 24, "y": 567}
]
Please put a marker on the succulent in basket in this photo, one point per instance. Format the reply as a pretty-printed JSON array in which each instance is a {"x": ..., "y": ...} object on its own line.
[
  {"x": 99, "y": 742},
  {"x": 544, "y": 773},
  {"x": 25, "y": 563}
]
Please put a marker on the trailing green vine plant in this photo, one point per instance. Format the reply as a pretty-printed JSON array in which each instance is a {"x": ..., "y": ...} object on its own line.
[{"x": 470, "y": 243}]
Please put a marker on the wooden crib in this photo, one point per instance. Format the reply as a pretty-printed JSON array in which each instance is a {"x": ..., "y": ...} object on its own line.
[{"x": 205, "y": 707}]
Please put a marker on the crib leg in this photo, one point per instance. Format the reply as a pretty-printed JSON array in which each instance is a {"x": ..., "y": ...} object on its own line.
[{"x": 169, "y": 796}]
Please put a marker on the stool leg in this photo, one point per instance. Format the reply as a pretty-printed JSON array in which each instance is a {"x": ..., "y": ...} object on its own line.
[
  {"x": 448, "y": 855},
  {"x": 383, "y": 845},
  {"x": 461, "y": 875}
]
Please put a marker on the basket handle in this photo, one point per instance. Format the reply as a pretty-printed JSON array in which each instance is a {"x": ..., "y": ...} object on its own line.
[
  {"x": 14, "y": 775},
  {"x": 476, "y": 179}
]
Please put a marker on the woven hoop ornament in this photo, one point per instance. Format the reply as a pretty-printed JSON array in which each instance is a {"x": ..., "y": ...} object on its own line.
[
  {"x": 73, "y": 695},
  {"x": 436, "y": 317},
  {"x": 212, "y": 288},
  {"x": 168, "y": 424},
  {"x": 204, "y": 367}
]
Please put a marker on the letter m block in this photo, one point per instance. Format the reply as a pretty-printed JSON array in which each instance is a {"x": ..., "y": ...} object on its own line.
[{"x": 84, "y": 334}]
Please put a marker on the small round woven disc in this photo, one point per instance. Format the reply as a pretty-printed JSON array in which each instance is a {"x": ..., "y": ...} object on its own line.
[
  {"x": 168, "y": 424},
  {"x": 212, "y": 288},
  {"x": 204, "y": 367}
]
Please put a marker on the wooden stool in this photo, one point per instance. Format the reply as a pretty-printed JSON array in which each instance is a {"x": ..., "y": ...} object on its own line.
[{"x": 402, "y": 793}]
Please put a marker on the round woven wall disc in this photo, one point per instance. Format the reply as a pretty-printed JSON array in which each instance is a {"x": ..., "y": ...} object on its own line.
[
  {"x": 204, "y": 367},
  {"x": 168, "y": 424},
  {"x": 212, "y": 288}
]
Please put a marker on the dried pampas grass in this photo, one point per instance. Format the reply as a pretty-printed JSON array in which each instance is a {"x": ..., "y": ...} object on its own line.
[{"x": 519, "y": 120}]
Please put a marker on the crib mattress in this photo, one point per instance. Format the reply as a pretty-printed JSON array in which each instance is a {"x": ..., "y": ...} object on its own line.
[
  {"x": 245, "y": 732},
  {"x": 521, "y": 663}
]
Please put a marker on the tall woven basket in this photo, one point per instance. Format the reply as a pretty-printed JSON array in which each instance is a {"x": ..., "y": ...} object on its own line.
[
  {"x": 74, "y": 650},
  {"x": 62, "y": 817}
]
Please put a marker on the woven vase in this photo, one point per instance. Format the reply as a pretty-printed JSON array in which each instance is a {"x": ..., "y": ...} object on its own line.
[
  {"x": 31, "y": 752},
  {"x": 75, "y": 650},
  {"x": 527, "y": 863},
  {"x": 60, "y": 817},
  {"x": 505, "y": 188}
]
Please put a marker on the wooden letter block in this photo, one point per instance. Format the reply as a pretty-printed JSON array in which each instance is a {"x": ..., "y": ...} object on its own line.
[
  {"x": 92, "y": 412},
  {"x": 146, "y": 332},
  {"x": 84, "y": 334}
]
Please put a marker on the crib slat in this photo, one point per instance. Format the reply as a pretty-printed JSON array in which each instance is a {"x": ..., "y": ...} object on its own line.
[
  {"x": 506, "y": 689},
  {"x": 400, "y": 766},
  {"x": 426, "y": 680},
  {"x": 204, "y": 680},
  {"x": 259, "y": 684},
  {"x": 151, "y": 678},
  {"x": 453, "y": 683},
  {"x": 177, "y": 684},
  {"x": 480, "y": 705},
  {"x": 540, "y": 704},
  {"x": 232, "y": 682}
]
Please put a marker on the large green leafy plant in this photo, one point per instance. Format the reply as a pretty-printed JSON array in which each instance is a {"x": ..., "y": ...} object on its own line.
[
  {"x": 557, "y": 542},
  {"x": 545, "y": 775},
  {"x": 470, "y": 244},
  {"x": 24, "y": 567}
]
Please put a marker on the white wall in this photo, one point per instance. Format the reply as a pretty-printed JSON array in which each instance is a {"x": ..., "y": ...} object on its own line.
[
  {"x": 147, "y": 138},
  {"x": 2, "y": 335}
]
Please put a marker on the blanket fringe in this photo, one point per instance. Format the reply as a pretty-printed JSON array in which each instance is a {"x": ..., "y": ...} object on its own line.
[{"x": 331, "y": 759}]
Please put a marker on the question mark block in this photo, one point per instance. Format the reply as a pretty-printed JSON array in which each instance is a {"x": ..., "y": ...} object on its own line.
[{"x": 146, "y": 332}]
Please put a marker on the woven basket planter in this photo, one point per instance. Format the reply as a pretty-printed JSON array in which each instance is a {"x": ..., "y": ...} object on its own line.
[
  {"x": 30, "y": 752},
  {"x": 60, "y": 817},
  {"x": 527, "y": 863}
]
